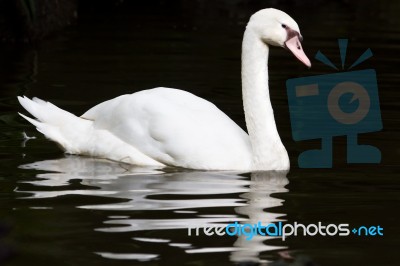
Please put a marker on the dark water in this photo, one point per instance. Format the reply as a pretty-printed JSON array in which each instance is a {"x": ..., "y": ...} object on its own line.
[{"x": 70, "y": 210}]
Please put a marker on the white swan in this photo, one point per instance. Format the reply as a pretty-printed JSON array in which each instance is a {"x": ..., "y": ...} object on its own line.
[{"x": 170, "y": 127}]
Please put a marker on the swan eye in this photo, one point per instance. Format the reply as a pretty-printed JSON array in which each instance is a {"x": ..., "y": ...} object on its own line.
[{"x": 284, "y": 26}]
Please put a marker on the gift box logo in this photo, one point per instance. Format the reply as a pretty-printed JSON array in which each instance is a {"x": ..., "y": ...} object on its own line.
[{"x": 339, "y": 104}]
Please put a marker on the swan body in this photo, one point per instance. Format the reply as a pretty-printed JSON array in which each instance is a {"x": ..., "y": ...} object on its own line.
[
  {"x": 170, "y": 127},
  {"x": 174, "y": 127}
]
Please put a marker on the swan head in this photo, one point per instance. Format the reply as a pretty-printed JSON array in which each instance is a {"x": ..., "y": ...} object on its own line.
[{"x": 275, "y": 27}]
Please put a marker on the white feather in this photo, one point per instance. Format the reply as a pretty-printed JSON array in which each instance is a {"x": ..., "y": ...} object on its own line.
[{"x": 165, "y": 126}]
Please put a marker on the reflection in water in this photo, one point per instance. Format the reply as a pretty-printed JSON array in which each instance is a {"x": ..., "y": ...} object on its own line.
[
  {"x": 185, "y": 192},
  {"x": 259, "y": 199}
]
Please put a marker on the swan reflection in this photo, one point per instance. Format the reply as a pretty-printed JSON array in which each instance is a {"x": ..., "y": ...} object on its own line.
[{"x": 188, "y": 198}]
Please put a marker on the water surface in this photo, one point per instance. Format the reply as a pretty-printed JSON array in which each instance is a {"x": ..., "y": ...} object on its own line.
[{"x": 65, "y": 210}]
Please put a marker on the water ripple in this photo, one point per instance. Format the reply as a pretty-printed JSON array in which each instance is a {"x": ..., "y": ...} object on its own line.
[{"x": 187, "y": 198}]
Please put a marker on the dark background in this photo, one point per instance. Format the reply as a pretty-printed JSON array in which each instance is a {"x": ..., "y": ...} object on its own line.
[
  {"x": 191, "y": 45},
  {"x": 79, "y": 53}
]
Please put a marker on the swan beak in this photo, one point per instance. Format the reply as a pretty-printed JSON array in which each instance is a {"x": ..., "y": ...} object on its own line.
[{"x": 294, "y": 45}]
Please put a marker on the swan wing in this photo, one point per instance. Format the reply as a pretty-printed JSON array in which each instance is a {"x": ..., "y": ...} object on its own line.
[{"x": 175, "y": 128}]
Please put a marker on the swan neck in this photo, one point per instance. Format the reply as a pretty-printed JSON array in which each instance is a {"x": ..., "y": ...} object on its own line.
[{"x": 267, "y": 148}]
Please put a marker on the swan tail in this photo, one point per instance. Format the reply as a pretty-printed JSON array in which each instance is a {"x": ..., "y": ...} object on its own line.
[
  {"x": 77, "y": 135},
  {"x": 45, "y": 112},
  {"x": 56, "y": 124}
]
